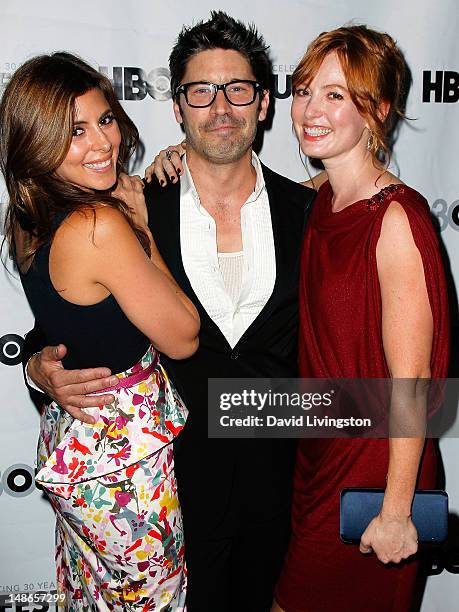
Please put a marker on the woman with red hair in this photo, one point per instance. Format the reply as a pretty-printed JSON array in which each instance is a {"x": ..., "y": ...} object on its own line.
[{"x": 373, "y": 304}]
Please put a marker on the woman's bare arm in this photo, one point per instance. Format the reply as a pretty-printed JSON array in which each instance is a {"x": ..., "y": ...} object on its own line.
[
  {"x": 407, "y": 329},
  {"x": 93, "y": 259}
]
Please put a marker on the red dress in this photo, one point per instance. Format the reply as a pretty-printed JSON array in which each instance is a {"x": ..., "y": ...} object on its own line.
[{"x": 340, "y": 337}]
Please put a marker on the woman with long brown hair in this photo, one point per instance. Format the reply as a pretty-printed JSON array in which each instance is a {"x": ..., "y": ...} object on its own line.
[{"x": 94, "y": 280}]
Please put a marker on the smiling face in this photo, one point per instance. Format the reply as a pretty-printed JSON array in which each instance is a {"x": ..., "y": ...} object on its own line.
[
  {"x": 91, "y": 160},
  {"x": 326, "y": 120},
  {"x": 220, "y": 133}
]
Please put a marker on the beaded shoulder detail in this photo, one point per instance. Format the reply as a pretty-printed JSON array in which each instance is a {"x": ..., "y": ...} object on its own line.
[{"x": 375, "y": 202}]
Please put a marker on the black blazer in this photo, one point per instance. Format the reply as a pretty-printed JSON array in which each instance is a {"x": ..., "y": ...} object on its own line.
[{"x": 222, "y": 480}]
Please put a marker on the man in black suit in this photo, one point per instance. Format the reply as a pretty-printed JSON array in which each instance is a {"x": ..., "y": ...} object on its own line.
[{"x": 230, "y": 233}]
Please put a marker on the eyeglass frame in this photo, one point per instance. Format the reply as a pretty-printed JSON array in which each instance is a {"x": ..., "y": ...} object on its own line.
[{"x": 183, "y": 88}]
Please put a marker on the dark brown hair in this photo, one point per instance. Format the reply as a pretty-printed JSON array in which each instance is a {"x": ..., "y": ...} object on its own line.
[
  {"x": 375, "y": 73},
  {"x": 36, "y": 124},
  {"x": 220, "y": 32}
]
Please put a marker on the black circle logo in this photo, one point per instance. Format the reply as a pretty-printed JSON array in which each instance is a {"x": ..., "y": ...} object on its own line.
[
  {"x": 18, "y": 480},
  {"x": 11, "y": 349}
]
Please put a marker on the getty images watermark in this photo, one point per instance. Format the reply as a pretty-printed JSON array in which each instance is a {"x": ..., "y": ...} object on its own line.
[
  {"x": 332, "y": 408},
  {"x": 273, "y": 401}
]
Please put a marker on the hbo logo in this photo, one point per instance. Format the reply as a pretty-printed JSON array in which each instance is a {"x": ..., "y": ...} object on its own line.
[{"x": 17, "y": 480}]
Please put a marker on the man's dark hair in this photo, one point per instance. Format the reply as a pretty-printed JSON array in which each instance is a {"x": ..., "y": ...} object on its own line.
[{"x": 220, "y": 32}]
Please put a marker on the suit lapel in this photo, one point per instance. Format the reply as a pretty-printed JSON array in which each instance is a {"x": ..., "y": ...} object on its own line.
[
  {"x": 279, "y": 249},
  {"x": 288, "y": 216},
  {"x": 164, "y": 221}
]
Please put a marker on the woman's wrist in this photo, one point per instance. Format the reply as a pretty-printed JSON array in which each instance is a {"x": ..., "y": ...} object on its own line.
[
  {"x": 396, "y": 507},
  {"x": 395, "y": 514}
]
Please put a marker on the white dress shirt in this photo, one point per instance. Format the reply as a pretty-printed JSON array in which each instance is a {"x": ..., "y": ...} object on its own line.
[{"x": 198, "y": 238}]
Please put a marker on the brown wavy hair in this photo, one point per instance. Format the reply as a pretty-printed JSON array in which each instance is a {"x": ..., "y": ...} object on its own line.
[
  {"x": 375, "y": 72},
  {"x": 36, "y": 123}
]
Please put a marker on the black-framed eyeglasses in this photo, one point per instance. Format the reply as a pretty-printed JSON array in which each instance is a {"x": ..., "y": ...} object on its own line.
[{"x": 200, "y": 94}]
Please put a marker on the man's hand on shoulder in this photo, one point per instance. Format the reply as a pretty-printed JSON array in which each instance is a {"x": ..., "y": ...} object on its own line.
[{"x": 70, "y": 388}]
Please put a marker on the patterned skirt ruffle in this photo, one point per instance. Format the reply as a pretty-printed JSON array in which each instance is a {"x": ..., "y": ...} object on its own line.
[{"x": 119, "y": 534}]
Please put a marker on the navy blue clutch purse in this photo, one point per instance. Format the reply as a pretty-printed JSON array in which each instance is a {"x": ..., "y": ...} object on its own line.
[{"x": 429, "y": 514}]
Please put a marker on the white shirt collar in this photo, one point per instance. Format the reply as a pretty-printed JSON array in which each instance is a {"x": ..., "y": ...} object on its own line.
[{"x": 187, "y": 184}]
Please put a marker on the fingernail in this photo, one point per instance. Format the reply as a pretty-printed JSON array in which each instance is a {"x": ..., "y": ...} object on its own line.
[
  {"x": 162, "y": 182},
  {"x": 179, "y": 172},
  {"x": 173, "y": 179}
]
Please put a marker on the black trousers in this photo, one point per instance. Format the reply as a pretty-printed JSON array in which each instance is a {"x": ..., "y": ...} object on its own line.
[{"x": 237, "y": 573}]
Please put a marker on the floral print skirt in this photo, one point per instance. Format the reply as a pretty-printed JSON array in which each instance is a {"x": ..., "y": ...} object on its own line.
[{"x": 119, "y": 533}]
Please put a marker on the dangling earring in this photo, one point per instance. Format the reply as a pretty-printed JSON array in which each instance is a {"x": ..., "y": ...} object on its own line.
[{"x": 370, "y": 141}]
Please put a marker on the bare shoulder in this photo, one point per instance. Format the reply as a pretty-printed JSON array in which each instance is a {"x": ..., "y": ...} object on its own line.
[
  {"x": 316, "y": 181},
  {"x": 395, "y": 217},
  {"x": 396, "y": 238},
  {"x": 97, "y": 221},
  {"x": 92, "y": 227},
  {"x": 385, "y": 182},
  {"x": 110, "y": 223},
  {"x": 388, "y": 178}
]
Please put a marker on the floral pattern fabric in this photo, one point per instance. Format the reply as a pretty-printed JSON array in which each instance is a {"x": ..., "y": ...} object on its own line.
[{"x": 119, "y": 532}]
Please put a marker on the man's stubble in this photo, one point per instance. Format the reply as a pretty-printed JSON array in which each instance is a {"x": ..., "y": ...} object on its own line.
[{"x": 224, "y": 149}]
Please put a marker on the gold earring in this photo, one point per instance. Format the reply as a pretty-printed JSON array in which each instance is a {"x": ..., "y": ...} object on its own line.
[{"x": 370, "y": 141}]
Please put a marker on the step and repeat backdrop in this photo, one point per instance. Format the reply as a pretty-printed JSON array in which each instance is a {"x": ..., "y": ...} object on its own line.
[{"x": 130, "y": 41}]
